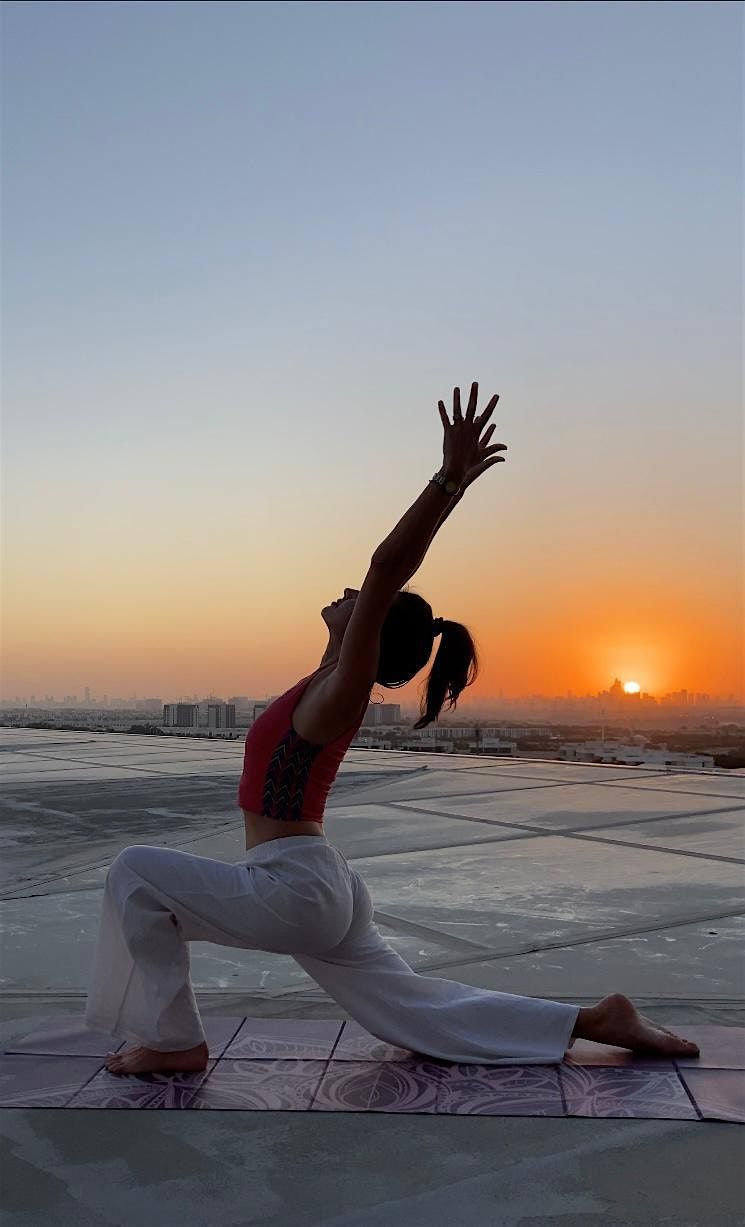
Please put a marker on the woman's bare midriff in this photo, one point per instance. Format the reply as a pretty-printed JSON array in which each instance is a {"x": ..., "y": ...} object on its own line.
[
  {"x": 309, "y": 724},
  {"x": 260, "y": 829}
]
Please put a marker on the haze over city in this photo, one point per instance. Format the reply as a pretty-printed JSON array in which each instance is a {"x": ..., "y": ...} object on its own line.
[
  {"x": 618, "y": 691},
  {"x": 280, "y": 235}
]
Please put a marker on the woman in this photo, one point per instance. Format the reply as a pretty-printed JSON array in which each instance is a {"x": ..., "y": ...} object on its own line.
[{"x": 295, "y": 893}]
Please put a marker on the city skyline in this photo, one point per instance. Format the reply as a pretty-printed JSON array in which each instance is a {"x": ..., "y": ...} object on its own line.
[{"x": 390, "y": 696}]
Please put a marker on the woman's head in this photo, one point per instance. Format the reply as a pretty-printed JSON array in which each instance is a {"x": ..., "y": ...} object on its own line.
[{"x": 406, "y": 642}]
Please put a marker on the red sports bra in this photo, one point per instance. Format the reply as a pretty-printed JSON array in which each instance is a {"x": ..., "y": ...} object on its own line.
[{"x": 284, "y": 776}]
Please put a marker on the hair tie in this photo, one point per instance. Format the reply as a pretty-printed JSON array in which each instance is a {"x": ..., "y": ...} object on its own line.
[{"x": 437, "y": 626}]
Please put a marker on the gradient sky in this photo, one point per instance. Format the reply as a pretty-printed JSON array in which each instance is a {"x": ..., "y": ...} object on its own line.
[{"x": 246, "y": 249}]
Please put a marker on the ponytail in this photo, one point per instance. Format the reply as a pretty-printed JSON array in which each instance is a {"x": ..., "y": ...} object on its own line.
[
  {"x": 455, "y": 667},
  {"x": 406, "y": 641}
]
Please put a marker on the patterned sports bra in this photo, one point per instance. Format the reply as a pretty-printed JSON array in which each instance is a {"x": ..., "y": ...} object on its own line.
[{"x": 284, "y": 776}]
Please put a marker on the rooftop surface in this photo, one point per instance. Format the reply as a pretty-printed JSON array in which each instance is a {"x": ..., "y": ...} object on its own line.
[{"x": 543, "y": 878}]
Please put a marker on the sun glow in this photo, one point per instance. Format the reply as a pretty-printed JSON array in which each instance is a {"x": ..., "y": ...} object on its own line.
[{"x": 631, "y": 687}]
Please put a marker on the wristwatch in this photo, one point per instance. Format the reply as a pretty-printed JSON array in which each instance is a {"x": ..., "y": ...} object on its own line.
[{"x": 450, "y": 487}]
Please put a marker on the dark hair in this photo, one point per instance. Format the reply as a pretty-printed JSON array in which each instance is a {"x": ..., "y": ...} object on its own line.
[{"x": 406, "y": 641}]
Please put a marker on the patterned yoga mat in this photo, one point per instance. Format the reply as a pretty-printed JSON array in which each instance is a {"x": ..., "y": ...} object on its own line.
[{"x": 328, "y": 1065}]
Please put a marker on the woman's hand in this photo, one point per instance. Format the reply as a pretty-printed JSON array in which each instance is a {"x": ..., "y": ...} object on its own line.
[{"x": 465, "y": 454}]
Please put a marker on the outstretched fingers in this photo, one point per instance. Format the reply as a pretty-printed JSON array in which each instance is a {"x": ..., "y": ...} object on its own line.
[
  {"x": 471, "y": 410},
  {"x": 479, "y": 421},
  {"x": 484, "y": 417}
]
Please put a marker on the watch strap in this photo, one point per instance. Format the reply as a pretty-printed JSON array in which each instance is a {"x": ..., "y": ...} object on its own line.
[{"x": 448, "y": 486}]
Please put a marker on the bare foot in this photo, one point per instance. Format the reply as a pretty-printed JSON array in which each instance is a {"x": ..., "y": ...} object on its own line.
[
  {"x": 616, "y": 1020},
  {"x": 140, "y": 1060}
]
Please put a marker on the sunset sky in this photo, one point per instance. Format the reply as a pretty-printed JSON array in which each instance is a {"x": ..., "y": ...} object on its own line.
[{"x": 246, "y": 249}]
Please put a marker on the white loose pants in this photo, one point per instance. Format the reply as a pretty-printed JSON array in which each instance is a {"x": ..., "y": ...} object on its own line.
[{"x": 299, "y": 896}]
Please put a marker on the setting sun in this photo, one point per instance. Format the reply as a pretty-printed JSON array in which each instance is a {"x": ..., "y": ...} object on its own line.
[{"x": 631, "y": 687}]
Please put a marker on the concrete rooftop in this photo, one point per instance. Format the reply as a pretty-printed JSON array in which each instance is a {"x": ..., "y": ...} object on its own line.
[{"x": 542, "y": 878}]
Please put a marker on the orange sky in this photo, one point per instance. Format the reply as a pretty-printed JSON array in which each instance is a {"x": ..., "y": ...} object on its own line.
[{"x": 555, "y": 600}]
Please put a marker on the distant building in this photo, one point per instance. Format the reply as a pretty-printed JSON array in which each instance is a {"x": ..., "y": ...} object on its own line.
[
  {"x": 181, "y": 715},
  {"x": 221, "y": 716},
  {"x": 382, "y": 713},
  {"x": 423, "y": 739},
  {"x": 632, "y": 755}
]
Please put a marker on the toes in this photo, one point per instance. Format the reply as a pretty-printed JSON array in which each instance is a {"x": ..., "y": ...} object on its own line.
[
  {"x": 679, "y": 1038},
  {"x": 689, "y": 1045}
]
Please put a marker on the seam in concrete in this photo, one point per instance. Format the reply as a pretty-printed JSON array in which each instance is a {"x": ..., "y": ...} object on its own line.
[
  {"x": 227, "y": 997},
  {"x": 625, "y": 843},
  {"x": 553, "y": 784},
  {"x": 673, "y": 922},
  {"x": 417, "y": 930}
]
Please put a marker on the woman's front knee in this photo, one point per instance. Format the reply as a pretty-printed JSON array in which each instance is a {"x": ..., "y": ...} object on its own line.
[
  {"x": 133, "y": 855},
  {"x": 130, "y": 862}
]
